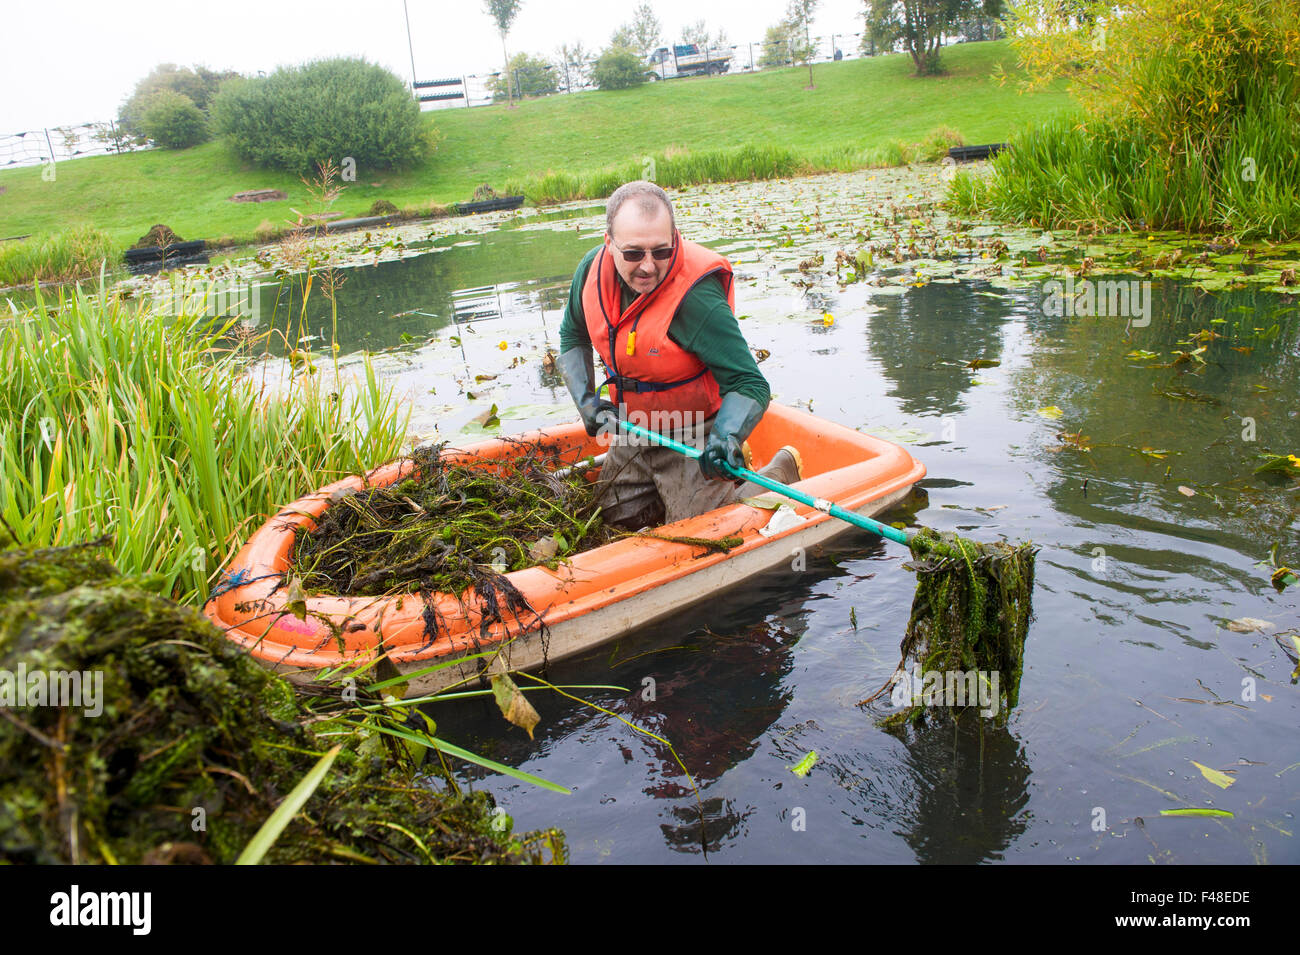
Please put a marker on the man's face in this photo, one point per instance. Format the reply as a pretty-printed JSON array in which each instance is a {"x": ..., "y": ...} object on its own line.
[{"x": 634, "y": 229}]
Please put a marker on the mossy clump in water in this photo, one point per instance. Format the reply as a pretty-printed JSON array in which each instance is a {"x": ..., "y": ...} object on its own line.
[
  {"x": 159, "y": 236},
  {"x": 180, "y": 746},
  {"x": 970, "y": 613},
  {"x": 450, "y": 527}
]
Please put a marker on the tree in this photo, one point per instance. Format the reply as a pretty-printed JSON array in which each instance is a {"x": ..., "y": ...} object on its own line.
[
  {"x": 531, "y": 76},
  {"x": 618, "y": 68},
  {"x": 642, "y": 35},
  {"x": 173, "y": 121},
  {"x": 698, "y": 33},
  {"x": 199, "y": 84},
  {"x": 503, "y": 12},
  {"x": 920, "y": 25},
  {"x": 800, "y": 15},
  {"x": 776, "y": 46},
  {"x": 790, "y": 41},
  {"x": 573, "y": 62}
]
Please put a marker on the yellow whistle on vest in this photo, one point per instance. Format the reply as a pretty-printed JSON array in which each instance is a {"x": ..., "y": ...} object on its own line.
[{"x": 631, "y": 343}]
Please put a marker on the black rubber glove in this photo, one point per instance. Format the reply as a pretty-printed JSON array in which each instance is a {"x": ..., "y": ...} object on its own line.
[
  {"x": 578, "y": 369},
  {"x": 737, "y": 417}
]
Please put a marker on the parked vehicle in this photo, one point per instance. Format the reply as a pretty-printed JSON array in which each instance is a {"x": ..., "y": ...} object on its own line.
[{"x": 686, "y": 59}]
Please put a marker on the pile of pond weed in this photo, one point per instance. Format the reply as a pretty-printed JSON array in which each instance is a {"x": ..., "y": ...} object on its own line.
[
  {"x": 970, "y": 613},
  {"x": 449, "y": 527},
  {"x": 189, "y": 745}
]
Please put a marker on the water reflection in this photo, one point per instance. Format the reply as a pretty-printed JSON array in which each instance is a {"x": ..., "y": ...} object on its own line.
[{"x": 396, "y": 302}]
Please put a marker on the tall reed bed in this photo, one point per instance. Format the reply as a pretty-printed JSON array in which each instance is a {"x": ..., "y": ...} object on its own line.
[
  {"x": 120, "y": 419},
  {"x": 61, "y": 257},
  {"x": 676, "y": 168},
  {"x": 1190, "y": 118},
  {"x": 1072, "y": 172}
]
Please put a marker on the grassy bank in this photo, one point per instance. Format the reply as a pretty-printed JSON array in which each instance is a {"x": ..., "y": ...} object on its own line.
[
  {"x": 118, "y": 418},
  {"x": 861, "y": 113},
  {"x": 58, "y": 257}
]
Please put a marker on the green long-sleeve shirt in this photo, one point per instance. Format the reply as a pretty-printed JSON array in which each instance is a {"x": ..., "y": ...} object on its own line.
[{"x": 703, "y": 325}]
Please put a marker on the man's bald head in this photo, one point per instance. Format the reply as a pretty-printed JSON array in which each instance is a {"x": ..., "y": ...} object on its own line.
[{"x": 648, "y": 197}]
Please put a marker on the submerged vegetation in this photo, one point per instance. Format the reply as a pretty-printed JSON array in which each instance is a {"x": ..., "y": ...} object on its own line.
[
  {"x": 970, "y": 615},
  {"x": 176, "y": 747},
  {"x": 1191, "y": 120}
]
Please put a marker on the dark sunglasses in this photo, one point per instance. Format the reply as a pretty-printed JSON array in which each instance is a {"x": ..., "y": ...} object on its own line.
[{"x": 636, "y": 255}]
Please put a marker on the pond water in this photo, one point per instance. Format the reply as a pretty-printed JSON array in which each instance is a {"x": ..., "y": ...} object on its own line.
[{"x": 1130, "y": 457}]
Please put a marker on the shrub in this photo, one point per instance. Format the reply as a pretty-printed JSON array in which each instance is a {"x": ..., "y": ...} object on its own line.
[
  {"x": 173, "y": 121},
  {"x": 529, "y": 76},
  {"x": 325, "y": 110},
  {"x": 199, "y": 84},
  {"x": 618, "y": 69}
]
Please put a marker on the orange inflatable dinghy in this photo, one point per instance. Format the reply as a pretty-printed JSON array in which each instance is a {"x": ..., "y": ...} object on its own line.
[{"x": 596, "y": 596}]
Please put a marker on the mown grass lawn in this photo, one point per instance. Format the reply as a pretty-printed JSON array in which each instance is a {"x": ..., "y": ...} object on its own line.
[{"x": 857, "y": 104}]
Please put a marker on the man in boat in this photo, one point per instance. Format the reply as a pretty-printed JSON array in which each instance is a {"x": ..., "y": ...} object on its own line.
[{"x": 660, "y": 311}]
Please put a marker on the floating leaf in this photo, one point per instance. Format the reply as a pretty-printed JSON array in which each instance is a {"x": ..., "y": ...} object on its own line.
[
  {"x": 1141, "y": 354},
  {"x": 1072, "y": 440},
  {"x": 534, "y": 411},
  {"x": 1186, "y": 491},
  {"x": 514, "y": 705},
  {"x": 1222, "y": 780},
  {"x": 1154, "y": 452},
  {"x": 1249, "y": 625},
  {"x": 1287, "y": 464},
  {"x": 983, "y": 363},
  {"x": 482, "y": 378},
  {"x": 1283, "y": 578},
  {"x": 1051, "y": 412},
  {"x": 805, "y": 765},
  {"x": 1196, "y": 812}
]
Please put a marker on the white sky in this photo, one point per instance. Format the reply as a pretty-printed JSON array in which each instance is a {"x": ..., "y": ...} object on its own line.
[{"x": 68, "y": 62}]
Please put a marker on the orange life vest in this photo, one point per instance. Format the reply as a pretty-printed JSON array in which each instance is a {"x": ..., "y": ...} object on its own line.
[{"x": 647, "y": 370}]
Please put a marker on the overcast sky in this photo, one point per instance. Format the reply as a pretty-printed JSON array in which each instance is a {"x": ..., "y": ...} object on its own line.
[{"x": 70, "y": 62}]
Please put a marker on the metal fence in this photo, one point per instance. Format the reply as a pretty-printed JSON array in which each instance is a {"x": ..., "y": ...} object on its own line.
[
  {"x": 38, "y": 147},
  {"x": 480, "y": 89}
]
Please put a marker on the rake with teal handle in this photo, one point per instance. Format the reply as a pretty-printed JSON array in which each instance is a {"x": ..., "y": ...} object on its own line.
[{"x": 821, "y": 504}]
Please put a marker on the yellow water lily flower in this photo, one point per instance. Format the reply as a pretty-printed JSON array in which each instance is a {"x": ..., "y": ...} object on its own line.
[
  {"x": 503, "y": 346},
  {"x": 828, "y": 318}
]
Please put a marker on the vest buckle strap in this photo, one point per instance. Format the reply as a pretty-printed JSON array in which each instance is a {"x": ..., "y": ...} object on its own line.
[{"x": 625, "y": 384}]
